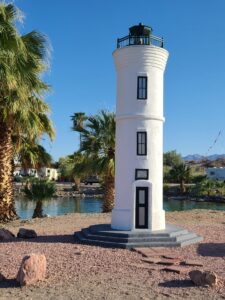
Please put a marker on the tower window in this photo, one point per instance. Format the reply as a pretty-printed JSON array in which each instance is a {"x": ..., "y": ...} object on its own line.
[
  {"x": 142, "y": 143},
  {"x": 141, "y": 174},
  {"x": 142, "y": 82}
]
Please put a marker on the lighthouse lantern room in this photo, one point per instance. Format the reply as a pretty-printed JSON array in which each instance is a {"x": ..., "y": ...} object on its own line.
[{"x": 140, "y": 61}]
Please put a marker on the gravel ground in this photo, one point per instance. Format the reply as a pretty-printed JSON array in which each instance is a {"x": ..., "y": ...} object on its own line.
[{"x": 76, "y": 271}]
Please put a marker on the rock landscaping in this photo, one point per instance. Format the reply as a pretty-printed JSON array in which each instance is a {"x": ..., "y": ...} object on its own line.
[
  {"x": 26, "y": 233},
  {"x": 32, "y": 269},
  {"x": 2, "y": 277},
  {"x": 6, "y": 235},
  {"x": 203, "y": 278},
  {"x": 78, "y": 271}
]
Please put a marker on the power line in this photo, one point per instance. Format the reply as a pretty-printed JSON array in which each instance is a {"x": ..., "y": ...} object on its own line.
[{"x": 214, "y": 143}]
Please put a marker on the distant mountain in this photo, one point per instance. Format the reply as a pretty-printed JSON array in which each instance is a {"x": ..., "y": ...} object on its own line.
[
  {"x": 194, "y": 157},
  {"x": 197, "y": 157}
]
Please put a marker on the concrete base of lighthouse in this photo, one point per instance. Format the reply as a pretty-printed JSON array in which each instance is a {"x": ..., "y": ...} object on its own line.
[{"x": 103, "y": 235}]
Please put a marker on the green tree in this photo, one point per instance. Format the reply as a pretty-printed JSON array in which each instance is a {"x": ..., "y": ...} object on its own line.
[
  {"x": 180, "y": 173},
  {"x": 172, "y": 158},
  {"x": 39, "y": 189},
  {"x": 66, "y": 165},
  {"x": 220, "y": 188},
  {"x": 22, "y": 109},
  {"x": 78, "y": 120},
  {"x": 98, "y": 149},
  {"x": 206, "y": 187},
  {"x": 32, "y": 155},
  {"x": 73, "y": 168}
]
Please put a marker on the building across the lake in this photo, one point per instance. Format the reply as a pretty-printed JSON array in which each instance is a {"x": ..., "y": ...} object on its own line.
[
  {"x": 50, "y": 173},
  {"x": 216, "y": 173}
]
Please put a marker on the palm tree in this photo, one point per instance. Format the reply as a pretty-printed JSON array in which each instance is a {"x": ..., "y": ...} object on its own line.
[
  {"x": 22, "y": 109},
  {"x": 32, "y": 155},
  {"x": 206, "y": 186},
  {"x": 66, "y": 165},
  {"x": 38, "y": 190},
  {"x": 78, "y": 120},
  {"x": 180, "y": 173},
  {"x": 98, "y": 149},
  {"x": 79, "y": 170},
  {"x": 220, "y": 187}
]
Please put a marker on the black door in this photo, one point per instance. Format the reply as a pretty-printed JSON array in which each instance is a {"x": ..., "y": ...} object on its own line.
[{"x": 141, "y": 207}]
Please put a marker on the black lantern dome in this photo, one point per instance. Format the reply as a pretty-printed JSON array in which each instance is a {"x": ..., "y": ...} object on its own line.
[
  {"x": 140, "y": 35},
  {"x": 140, "y": 30}
]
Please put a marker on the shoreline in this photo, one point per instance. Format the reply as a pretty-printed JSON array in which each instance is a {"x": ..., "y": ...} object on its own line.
[{"x": 212, "y": 199}]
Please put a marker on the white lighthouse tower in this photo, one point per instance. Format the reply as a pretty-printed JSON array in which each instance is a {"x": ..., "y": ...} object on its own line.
[
  {"x": 138, "y": 218},
  {"x": 140, "y": 61}
]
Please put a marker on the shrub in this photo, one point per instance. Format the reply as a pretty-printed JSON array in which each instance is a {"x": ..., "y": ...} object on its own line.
[{"x": 39, "y": 189}]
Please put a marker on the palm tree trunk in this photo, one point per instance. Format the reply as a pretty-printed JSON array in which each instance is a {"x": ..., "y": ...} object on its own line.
[
  {"x": 109, "y": 193},
  {"x": 7, "y": 208},
  {"x": 38, "y": 211},
  {"x": 182, "y": 186},
  {"x": 77, "y": 182}
]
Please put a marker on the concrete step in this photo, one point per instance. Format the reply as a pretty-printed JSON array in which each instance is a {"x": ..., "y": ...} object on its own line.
[
  {"x": 105, "y": 230},
  {"x": 135, "y": 239},
  {"x": 186, "y": 240},
  {"x": 103, "y": 235},
  {"x": 187, "y": 236},
  {"x": 124, "y": 245}
]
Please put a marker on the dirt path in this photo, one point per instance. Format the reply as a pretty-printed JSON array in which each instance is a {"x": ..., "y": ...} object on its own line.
[{"x": 77, "y": 271}]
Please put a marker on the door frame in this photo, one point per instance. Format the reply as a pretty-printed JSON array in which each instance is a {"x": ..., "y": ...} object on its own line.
[
  {"x": 138, "y": 205},
  {"x": 141, "y": 183}
]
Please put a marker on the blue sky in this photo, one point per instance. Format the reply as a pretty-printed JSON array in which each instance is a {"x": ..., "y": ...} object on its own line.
[{"x": 83, "y": 36}]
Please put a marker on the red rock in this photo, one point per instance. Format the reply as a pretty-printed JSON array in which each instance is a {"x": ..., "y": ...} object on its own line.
[
  {"x": 145, "y": 252},
  {"x": 211, "y": 278},
  {"x": 153, "y": 251},
  {"x": 196, "y": 277},
  {"x": 176, "y": 269},
  {"x": 6, "y": 235},
  {"x": 152, "y": 260},
  {"x": 161, "y": 251},
  {"x": 192, "y": 263},
  {"x": 2, "y": 277},
  {"x": 203, "y": 278},
  {"x": 78, "y": 253},
  {"x": 171, "y": 256},
  {"x": 26, "y": 233},
  {"x": 174, "y": 261},
  {"x": 32, "y": 269}
]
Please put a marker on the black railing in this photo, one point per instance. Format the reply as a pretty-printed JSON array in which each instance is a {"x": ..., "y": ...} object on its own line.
[{"x": 130, "y": 40}]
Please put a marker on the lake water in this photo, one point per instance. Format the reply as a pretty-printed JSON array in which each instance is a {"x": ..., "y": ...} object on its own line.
[{"x": 61, "y": 206}]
